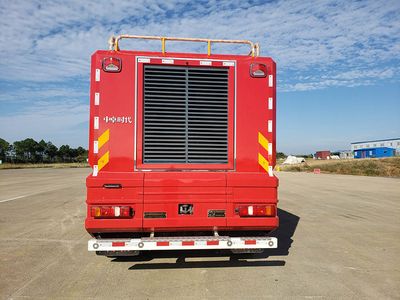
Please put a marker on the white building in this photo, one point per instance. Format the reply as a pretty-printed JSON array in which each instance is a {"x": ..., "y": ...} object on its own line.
[
  {"x": 389, "y": 143},
  {"x": 346, "y": 154}
]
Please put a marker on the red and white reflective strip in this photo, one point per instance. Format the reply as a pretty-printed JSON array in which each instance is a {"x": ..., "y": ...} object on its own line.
[{"x": 183, "y": 243}]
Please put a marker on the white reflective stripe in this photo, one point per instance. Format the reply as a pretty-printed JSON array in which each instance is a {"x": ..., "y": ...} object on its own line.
[
  {"x": 205, "y": 63},
  {"x": 270, "y": 80},
  {"x": 175, "y": 243},
  {"x": 167, "y": 61},
  {"x": 117, "y": 211},
  {"x": 97, "y": 74},
  {"x": 269, "y": 125},
  {"x": 95, "y": 147},
  {"x": 250, "y": 210},
  {"x": 96, "y": 98},
  {"x": 96, "y": 123},
  {"x": 201, "y": 243},
  {"x": 144, "y": 60},
  {"x": 95, "y": 170},
  {"x": 270, "y": 171},
  {"x": 228, "y": 63},
  {"x": 270, "y": 103},
  {"x": 269, "y": 148}
]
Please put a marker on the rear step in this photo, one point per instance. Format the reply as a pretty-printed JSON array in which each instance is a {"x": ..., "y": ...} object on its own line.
[{"x": 183, "y": 243}]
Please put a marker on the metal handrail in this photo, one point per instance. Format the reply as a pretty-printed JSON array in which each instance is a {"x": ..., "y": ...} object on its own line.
[{"x": 114, "y": 42}]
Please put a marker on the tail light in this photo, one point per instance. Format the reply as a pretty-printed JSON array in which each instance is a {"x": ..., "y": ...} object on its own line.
[
  {"x": 258, "y": 70},
  {"x": 112, "y": 64},
  {"x": 111, "y": 212},
  {"x": 256, "y": 210}
]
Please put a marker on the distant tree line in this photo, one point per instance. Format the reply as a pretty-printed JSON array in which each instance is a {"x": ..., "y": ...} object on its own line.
[
  {"x": 280, "y": 155},
  {"x": 31, "y": 151}
]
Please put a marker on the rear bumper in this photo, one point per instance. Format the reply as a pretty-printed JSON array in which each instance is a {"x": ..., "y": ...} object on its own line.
[
  {"x": 183, "y": 243},
  {"x": 126, "y": 225},
  {"x": 158, "y": 192}
]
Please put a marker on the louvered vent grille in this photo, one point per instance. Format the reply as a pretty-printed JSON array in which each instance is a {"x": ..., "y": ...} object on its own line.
[{"x": 185, "y": 115}]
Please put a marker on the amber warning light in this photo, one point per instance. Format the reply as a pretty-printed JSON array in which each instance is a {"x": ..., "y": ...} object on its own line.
[
  {"x": 109, "y": 212},
  {"x": 112, "y": 64}
]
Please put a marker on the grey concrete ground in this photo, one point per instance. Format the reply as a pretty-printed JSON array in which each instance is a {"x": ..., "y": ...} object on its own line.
[{"x": 339, "y": 238}]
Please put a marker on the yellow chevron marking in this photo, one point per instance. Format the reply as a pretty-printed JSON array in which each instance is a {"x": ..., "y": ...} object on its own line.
[
  {"x": 103, "y": 160},
  {"x": 263, "y": 141},
  {"x": 104, "y": 138},
  {"x": 263, "y": 162}
]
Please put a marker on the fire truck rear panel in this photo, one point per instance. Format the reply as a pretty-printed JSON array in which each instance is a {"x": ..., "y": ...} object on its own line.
[{"x": 185, "y": 142}]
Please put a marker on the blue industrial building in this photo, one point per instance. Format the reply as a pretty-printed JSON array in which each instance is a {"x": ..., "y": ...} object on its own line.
[
  {"x": 374, "y": 152},
  {"x": 376, "y": 148}
]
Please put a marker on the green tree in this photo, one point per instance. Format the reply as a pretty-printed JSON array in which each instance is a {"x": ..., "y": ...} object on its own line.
[
  {"x": 4, "y": 146},
  {"x": 40, "y": 151},
  {"x": 82, "y": 154},
  {"x": 51, "y": 151},
  {"x": 64, "y": 152},
  {"x": 26, "y": 150}
]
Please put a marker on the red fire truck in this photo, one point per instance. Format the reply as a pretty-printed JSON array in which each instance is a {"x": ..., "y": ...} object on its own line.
[{"x": 182, "y": 148}]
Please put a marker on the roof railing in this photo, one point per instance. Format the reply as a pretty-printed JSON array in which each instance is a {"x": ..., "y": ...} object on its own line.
[{"x": 114, "y": 42}]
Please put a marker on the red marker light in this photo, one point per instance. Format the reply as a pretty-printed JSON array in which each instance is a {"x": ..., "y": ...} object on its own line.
[
  {"x": 112, "y": 64},
  {"x": 256, "y": 210},
  {"x": 125, "y": 212},
  {"x": 258, "y": 70},
  {"x": 111, "y": 212}
]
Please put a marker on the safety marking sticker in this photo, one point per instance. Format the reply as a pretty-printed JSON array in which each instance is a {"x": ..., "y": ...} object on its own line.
[
  {"x": 96, "y": 98},
  {"x": 95, "y": 147},
  {"x": 263, "y": 141},
  {"x": 104, "y": 138},
  {"x": 263, "y": 162},
  {"x": 270, "y": 80},
  {"x": 270, "y": 171},
  {"x": 167, "y": 61},
  {"x": 95, "y": 170},
  {"x": 269, "y": 125},
  {"x": 270, "y": 103},
  {"x": 97, "y": 74},
  {"x": 103, "y": 161},
  {"x": 96, "y": 123},
  {"x": 205, "y": 63}
]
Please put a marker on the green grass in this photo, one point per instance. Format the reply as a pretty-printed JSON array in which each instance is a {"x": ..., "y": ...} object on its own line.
[
  {"x": 44, "y": 165},
  {"x": 384, "y": 167}
]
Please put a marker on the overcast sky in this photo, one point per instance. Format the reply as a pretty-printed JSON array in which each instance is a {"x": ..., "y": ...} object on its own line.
[{"x": 338, "y": 62}]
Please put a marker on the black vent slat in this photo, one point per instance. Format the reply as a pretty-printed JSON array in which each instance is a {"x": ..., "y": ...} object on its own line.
[{"x": 185, "y": 114}]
